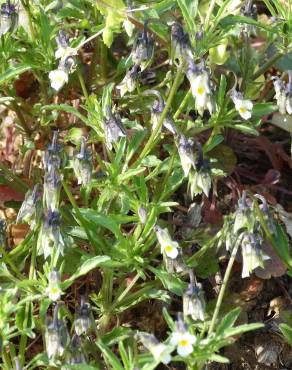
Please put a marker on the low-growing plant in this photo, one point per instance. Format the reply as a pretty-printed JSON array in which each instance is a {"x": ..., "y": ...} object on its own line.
[{"x": 126, "y": 112}]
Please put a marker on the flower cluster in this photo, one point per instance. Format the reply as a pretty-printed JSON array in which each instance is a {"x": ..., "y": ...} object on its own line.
[
  {"x": 247, "y": 230},
  {"x": 59, "y": 345}
]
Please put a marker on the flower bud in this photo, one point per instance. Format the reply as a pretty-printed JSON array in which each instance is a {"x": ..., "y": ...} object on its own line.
[
  {"x": 83, "y": 318},
  {"x": 159, "y": 351},
  {"x": 143, "y": 49},
  {"x": 193, "y": 302},
  {"x": 56, "y": 336},
  {"x": 114, "y": 128},
  {"x": 30, "y": 206}
]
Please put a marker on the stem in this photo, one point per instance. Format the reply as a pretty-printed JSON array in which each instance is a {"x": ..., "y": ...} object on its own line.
[
  {"x": 103, "y": 61},
  {"x": 125, "y": 292},
  {"x": 210, "y": 11},
  {"x": 183, "y": 104},
  {"x": 267, "y": 65},
  {"x": 23, "y": 338},
  {"x": 20, "y": 117},
  {"x": 224, "y": 285},
  {"x": 82, "y": 83},
  {"x": 149, "y": 145}
]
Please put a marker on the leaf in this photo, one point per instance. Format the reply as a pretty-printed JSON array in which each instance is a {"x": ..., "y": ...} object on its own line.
[
  {"x": 246, "y": 129},
  {"x": 287, "y": 332},
  {"x": 225, "y": 158},
  {"x": 281, "y": 245},
  {"x": 242, "y": 329},
  {"x": 228, "y": 321},
  {"x": 68, "y": 109},
  {"x": 82, "y": 367},
  {"x": 75, "y": 134},
  {"x": 114, "y": 361},
  {"x": 189, "y": 9},
  {"x": 222, "y": 90},
  {"x": 261, "y": 109},
  {"x": 114, "y": 12},
  {"x": 170, "y": 282},
  {"x": 14, "y": 71},
  {"x": 218, "y": 358},
  {"x": 273, "y": 266},
  {"x": 99, "y": 219},
  {"x": 86, "y": 266},
  {"x": 212, "y": 142}
]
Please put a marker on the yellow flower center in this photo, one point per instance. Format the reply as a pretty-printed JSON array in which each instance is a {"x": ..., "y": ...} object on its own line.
[
  {"x": 201, "y": 90},
  {"x": 54, "y": 290},
  {"x": 183, "y": 343},
  {"x": 168, "y": 248},
  {"x": 242, "y": 109}
]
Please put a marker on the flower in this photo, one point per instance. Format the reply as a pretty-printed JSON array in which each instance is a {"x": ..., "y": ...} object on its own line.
[
  {"x": 180, "y": 43},
  {"x": 50, "y": 234},
  {"x": 113, "y": 128},
  {"x": 58, "y": 78},
  {"x": 129, "y": 82},
  {"x": 143, "y": 49},
  {"x": 56, "y": 336},
  {"x": 82, "y": 165},
  {"x": 200, "y": 83},
  {"x": 83, "y": 318},
  {"x": 182, "y": 339},
  {"x": 160, "y": 351},
  {"x": 193, "y": 302},
  {"x": 75, "y": 354},
  {"x": 186, "y": 154},
  {"x": 243, "y": 106},
  {"x": 64, "y": 51},
  {"x": 30, "y": 206},
  {"x": 283, "y": 93},
  {"x": 54, "y": 290},
  {"x": 142, "y": 213},
  {"x": 168, "y": 246},
  {"x": 252, "y": 255},
  {"x": 52, "y": 188},
  {"x": 9, "y": 16}
]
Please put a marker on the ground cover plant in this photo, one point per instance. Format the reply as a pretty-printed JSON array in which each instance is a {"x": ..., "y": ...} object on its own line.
[{"x": 145, "y": 184}]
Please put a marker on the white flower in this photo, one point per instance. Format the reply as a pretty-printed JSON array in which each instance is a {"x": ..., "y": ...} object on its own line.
[
  {"x": 58, "y": 78},
  {"x": 53, "y": 290},
  {"x": 184, "y": 341},
  {"x": 201, "y": 89},
  {"x": 161, "y": 353},
  {"x": 252, "y": 255},
  {"x": 65, "y": 52},
  {"x": 243, "y": 106},
  {"x": 168, "y": 246},
  {"x": 186, "y": 154}
]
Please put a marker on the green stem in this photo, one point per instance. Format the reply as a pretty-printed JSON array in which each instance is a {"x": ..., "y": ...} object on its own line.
[
  {"x": 267, "y": 65},
  {"x": 224, "y": 285},
  {"x": 23, "y": 338},
  {"x": 20, "y": 117},
  {"x": 149, "y": 145},
  {"x": 82, "y": 84},
  {"x": 93, "y": 64},
  {"x": 103, "y": 61},
  {"x": 125, "y": 292},
  {"x": 183, "y": 104}
]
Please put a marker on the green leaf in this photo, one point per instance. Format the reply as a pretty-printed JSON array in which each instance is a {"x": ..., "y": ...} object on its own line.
[
  {"x": 88, "y": 265},
  {"x": 222, "y": 91},
  {"x": 82, "y": 367},
  {"x": 261, "y": 109},
  {"x": 228, "y": 321},
  {"x": 168, "y": 319},
  {"x": 99, "y": 219},
  {"x": 75, "y": 134},
  {"x": 170, "y": 282},
  {"x": 111, "y": 357},
  {"x": 189, "y": 9},
  {"x": 287, "y": 332},
  {"x": 242, "y": 329},
  {"x": 212, "y": 142},
  {"x": 218, "y": 358},
  {"x": 68, "y": 109},
  {"x": 246, "y": 129},
  {"x": 281, "y": 245},
  {"x": 114, "y": 12},
  {"x": 14, "y": 71}
]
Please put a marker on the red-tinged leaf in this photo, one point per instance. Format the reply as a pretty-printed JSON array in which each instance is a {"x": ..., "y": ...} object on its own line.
[{"x": 7, "y": 194}]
